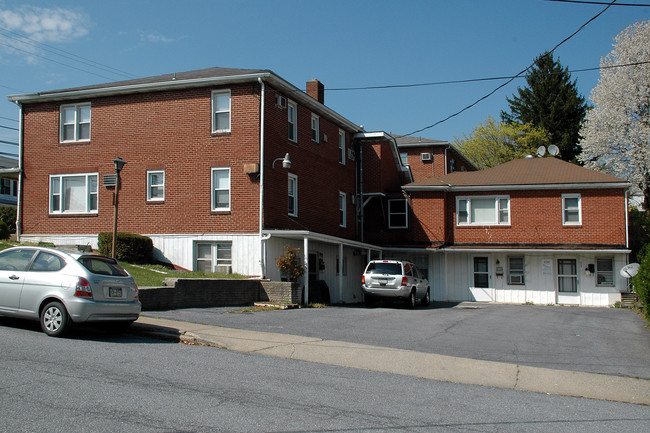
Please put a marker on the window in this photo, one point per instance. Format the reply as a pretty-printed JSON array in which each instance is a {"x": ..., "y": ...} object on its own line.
[
  {"x": 293, "y": 194},
  {"x": 75, "y": 122},
  {"x": 292, "y": 114},
  {"x": 605, "y": 272},
  {"x": 567, "y": 276},
  {"x": 342, "y": 209},
  {"x": 341, "y": 146},
  {"x": 47, "y": 262},
  {"x": 404, "y": 156},
  {"x": 221, "y": 111},
  {"x": 221, "y": 189},
  {"x": 8, "y": 187},
  {"x": 571, "y": 209},
  {"x": 156, "y": 185},
  {"x": 397, "y": 214},
  {"x": 515, "y": 270},
  {"x": 214, "y": 257},
  {"x": 482, "y": 210},
  {"x": 315, "y": 128},
  {"x": 73, "y": 193}
]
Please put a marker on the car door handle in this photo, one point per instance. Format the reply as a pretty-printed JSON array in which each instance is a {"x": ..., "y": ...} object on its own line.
[{"x": 14, "y": 277}]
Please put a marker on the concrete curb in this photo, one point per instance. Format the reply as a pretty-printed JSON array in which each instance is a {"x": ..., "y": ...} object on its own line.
[{"x": 403, "y": 362}]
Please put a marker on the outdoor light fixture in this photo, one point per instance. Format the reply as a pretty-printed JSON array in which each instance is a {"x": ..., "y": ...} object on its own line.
[
  {"x": 286, "y": 162},
  {"x": 119, "y": 164}
]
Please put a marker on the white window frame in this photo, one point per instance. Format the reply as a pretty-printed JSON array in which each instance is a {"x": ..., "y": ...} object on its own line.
[
  {"x": 90, "y": 206},
  {"x": 343, "y": 212},
  {"x": 315, "y": 128},
  {"x": 515, "y": 274},
  {"x": 392, "y": 213},
  {"x": 215, "y": 262},
  {"x": 404, "y": 157},
  {"x": 151, "y": 186},
  {"x": 342, "y": 146},
  {"x": 214, "y": 189},
  {"x": 77, "y": 123},
  {"x": 565, "y": 221},
  {"x": 599, "y": 272},
  {"x": 216, "y": 111},
  {"x": 9, "y": 184},
  {"x": 292, "y": 121},
  {"x": 499, "y": 210},
  {"x": 292, "y": 194}
]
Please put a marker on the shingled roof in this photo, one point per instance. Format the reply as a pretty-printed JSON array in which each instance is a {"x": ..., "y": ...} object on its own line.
[{"x": 523, "y": 173}]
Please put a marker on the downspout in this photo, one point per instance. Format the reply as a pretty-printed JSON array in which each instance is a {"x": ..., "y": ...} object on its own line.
[
  {"x": 261, "y": 218},
  {"x": 446, "y": 162},
  {"x": 361, "y": 204},
  {"x": 19, "y": 206},
  {"x": 627, "y": 220}
]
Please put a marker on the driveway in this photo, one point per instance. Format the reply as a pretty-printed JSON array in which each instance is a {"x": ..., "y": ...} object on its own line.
[{"x": 594, "y": 340}]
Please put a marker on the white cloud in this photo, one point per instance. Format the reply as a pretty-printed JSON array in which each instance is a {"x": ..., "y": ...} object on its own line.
[{"x": 45, "y": 24}]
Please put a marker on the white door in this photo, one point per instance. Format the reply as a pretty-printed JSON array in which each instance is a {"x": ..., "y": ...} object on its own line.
[
  {"x": 567, "y": 282},
  {"x": 480, "y": 288}
]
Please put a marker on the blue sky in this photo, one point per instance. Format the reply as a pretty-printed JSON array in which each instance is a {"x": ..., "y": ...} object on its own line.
[{"x": 343, "y": 43}]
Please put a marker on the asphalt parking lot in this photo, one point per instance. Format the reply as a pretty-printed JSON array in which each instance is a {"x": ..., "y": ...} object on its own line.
[{"x": 593, "y": 340}]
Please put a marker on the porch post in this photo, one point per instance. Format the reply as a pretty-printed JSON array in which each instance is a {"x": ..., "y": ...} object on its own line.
[
  {"x": 340, "y": 272},
  {"x": 306, "y": 264}
]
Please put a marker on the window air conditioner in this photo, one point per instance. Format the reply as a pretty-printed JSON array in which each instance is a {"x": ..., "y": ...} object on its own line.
[
  {"x": 425, "y": 156},
  {"x": 280, "y": 101}
]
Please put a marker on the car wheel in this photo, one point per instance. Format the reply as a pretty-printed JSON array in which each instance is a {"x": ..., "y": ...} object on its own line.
[
  {"x": 412, "y": 300},
  {"x": 54, "y": 319},
  {"x": 427, "y": 298}
]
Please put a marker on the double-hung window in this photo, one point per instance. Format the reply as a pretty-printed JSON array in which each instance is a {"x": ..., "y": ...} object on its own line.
[
  {"x": 75, "y": 122},
  {"x": 292, "y": 194},
  {"x": 221, "y": 111},
  {"x": 214, "y": 257},
  {"x": 483, "y": 210},
  {"x": 571, "y": 209},
  {"x": 292, "y": 121},
  {"x": 221, "y": 189},
  {"x": 397, "y": 214},
  {"x": 155, "y": 185},
  {"x": 73, "y": 193},
  {"x": 315, "y": 128},
  {"x": 605, "y": 272},
  {"x": 515, "y": 270},
  {"x": 343, "y": 214},
  {"x": 341, "y": 146}
]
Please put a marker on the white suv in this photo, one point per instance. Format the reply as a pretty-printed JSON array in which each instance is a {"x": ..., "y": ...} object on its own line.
[{"x": 395, "y": 279}]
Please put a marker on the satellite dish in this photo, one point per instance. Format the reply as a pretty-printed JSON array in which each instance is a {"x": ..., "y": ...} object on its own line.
[
  {"x": 554, "y": 150},
  {"x": 541, "y": 151},
  {"x": 630, "y": 270}
]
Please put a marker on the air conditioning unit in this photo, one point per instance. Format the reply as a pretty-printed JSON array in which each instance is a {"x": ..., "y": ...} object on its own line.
[
  {"x": 516, "y": 279},
  {"x": 280, "y": 101},
  {"x": 425, "y": 156}
]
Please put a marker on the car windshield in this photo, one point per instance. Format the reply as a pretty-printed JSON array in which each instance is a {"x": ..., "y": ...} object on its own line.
[
  {"x": 385, "y": 268},
  {"x": 103, "y": 266}
]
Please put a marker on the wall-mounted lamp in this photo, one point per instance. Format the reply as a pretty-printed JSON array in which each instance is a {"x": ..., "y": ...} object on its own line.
[{"x": 286, "y": 162}]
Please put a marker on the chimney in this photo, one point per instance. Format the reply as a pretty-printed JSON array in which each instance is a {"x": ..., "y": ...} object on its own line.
[{"x": 316, "y": 90}]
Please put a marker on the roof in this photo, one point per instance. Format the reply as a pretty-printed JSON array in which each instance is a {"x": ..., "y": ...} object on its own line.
[
  {"x": 408, "y": 141},
  {"x": 535, "y": 173}
]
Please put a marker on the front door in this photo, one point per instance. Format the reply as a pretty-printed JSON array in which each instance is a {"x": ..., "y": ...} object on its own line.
[
  {"x": 312, "y": 270},
  {"x": 480, "y": 286},
  {"x": 567, "y": 282}
]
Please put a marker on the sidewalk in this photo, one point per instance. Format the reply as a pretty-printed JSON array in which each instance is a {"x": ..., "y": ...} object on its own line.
[{"x": 402, "y": 362}]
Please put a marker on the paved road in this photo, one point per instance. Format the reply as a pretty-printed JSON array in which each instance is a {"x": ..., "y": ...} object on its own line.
[{"x": 594, "y": 340}]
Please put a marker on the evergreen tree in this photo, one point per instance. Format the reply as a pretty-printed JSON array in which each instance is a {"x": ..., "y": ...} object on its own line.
[{"x": 550, "y": 101}]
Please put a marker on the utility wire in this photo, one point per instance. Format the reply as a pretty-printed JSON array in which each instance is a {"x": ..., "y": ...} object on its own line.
[
  {"x": 598, "y": 3},
  {"x": 8, "y": 118},
  {"x": 9, "y": 127},
  {"x": 513, "y": 78},
  {"x": 8, "y": 142}
]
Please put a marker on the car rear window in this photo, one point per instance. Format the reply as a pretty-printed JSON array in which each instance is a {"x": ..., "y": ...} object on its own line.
[
  {"x": 384, "y": 268},
  {"x": 103, "y": 266}
]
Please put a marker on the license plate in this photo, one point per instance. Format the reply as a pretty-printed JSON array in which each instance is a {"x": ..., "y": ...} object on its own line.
[
  {"x": 383, "y": 281},
  {"x": 114, "y": 292}
]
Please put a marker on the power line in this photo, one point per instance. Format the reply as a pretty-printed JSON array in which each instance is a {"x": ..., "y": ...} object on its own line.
[
  {"x": 510, "y": 80},
  {"x": 8, "y": 142},
  {"x": 9, "y": 127},
  {"x": 8, "y": 118},
  {"x": 598, "y": 3}
]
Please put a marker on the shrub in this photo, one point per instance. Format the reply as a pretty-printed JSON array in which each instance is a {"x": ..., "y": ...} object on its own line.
[
  {"x": 641, "y": 282},
  {"x": 4, "y": 230},
  {"x": 129, "y": 247},
  {"x": 289, "y": 265},
  {"x": 8, "y": 216}
]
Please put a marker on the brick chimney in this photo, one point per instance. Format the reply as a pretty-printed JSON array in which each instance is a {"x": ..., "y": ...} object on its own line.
[{"x": 316, "y": 90}]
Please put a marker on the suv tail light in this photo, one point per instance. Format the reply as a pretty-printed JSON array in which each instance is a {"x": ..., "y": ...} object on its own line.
[
  {"x": 83, "y": 289},
  {"x": 363, "y": 279},
  {"x": 405, "y": 281}
]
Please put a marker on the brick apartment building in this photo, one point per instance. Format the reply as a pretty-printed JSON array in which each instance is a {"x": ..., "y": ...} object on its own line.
[{"x": 225, "y": 167}]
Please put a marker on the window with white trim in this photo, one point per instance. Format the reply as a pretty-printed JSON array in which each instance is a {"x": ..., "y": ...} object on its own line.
[
  {"x": 515, "y": 270},
  {"x": 75, "y": 122},
  {"x": 567, "y": 276},
  {"x": 315, "y": 128},
  {"x": 397, "y": 214},
  {"x": 73, "y": 193},
  {"x": 341, "y": 146},
  {"x": 8, "y": 187},
  {"x": 221, "y": 189},
  {"x": 213, "y": 257},
  {"x": 571, "y": 209},
  {"x": 292, "y": 194},
  {"x": 155, "y": 185},
  {"x": 292, "y": 119},
  {"x": 221, "y": 111},
  {"x": 404, "y": 156},
  {"x": 483, "y": 210},
  {"x": 605, "y": 272},
  {"x": 343, "y": 216}
]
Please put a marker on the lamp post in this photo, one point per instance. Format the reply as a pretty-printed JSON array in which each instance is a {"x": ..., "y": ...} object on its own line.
[{"x": 119, "y": 164}]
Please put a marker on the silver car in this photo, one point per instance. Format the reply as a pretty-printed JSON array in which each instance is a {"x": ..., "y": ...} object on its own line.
[
  {"x": 396, "y": 279},
  {"x": 59, "y": 287}
]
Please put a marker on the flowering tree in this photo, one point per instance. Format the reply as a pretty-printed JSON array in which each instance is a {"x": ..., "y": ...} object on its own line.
[
  {"x": 289, "y": 264},
  {"x": 616, "y": 132}
]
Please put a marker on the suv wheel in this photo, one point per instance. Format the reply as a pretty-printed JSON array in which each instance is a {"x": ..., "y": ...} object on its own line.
[
  {"x": 412, "y": 300},
  {"x": 427, "y": 298}
]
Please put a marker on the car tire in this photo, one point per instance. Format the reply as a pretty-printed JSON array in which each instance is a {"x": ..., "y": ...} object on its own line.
[
  {"x": 54, "y": 319},
  {"x": 412, "y": 300},
  {"x": 427, "y": 298}
]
